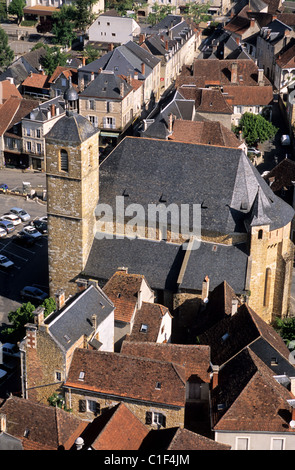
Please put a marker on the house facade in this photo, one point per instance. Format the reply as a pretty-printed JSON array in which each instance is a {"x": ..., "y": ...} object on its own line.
[
  {"x": 112, "y": 28},
  {"x": 153, "y": 390},
  {"x": 35, "y": 126},
  {"x": 87, "y": 321}
]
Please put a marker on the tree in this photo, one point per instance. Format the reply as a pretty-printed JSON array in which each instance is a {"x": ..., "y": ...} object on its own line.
[
  {"x": 23, "y": 315},
  {"x": 63, "y": 26},
  {"x": 91, "y": 54},
  {"x": 6, "y": 53},
  {"x": 286, "y": 328},
  {"x": 159, "y": 13},
  {"x": 84, "y": 15},
  {"x": 256, "y": 128},
  {"x": 16, "y": 7},
  {"x": 198, "y": 11},
  {"x": 53, "y": 58}
]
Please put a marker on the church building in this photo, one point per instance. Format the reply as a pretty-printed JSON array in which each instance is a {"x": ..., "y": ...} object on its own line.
[{"x": 244, "y": 236}]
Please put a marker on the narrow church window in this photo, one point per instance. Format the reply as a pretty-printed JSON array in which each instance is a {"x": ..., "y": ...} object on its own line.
[
  {"x": 260, "y": 234},
  {"x": 64, "y": 164},
  {"x": 267, "y": 287}
]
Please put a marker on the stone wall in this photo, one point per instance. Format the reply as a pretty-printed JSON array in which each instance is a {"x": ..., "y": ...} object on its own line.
[{"x": 174, "y": 415}]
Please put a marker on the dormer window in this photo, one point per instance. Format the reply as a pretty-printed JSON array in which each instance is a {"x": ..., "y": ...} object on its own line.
[
  {"x": 158, "y": 385},
  {"x": 81, "y": 375},
  {"x": 143, "y": 328}
]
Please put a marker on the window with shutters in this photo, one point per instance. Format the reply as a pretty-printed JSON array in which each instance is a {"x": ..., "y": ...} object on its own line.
[
  {"x": 64, "y": 163},
  {"x": 155, "y": 418},
  {"x": 93, "y": 406}
]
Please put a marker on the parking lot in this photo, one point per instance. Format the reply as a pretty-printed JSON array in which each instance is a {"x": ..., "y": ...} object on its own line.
[{"x": 30, "y": 262}]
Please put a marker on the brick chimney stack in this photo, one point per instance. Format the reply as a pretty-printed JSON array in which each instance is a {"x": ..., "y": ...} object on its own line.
[
  {"x": 205, "y": 288},
  {"x": 142, "y": 68},
  {"x": 234, "y": 72},
  {"x": 2, "y": 422},
  {"x": 215, "y": 371}
]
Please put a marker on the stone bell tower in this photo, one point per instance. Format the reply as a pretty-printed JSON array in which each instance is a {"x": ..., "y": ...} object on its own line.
[{"x": 72, "y": 163}]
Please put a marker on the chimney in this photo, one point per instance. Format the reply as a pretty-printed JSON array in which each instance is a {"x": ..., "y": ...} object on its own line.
[
  {"x": 60, "y": 299},
  {"x": 122, "y": 269},
  {"x": 52, "y": 110},
  {"x": 234, "y": 306},
  {"x": 292, "y": 422},
  {"x": 81, "y": 285},
  {"x": 167, "y": 45},
  {"x": 234, "y": 72},
  {"x": 215, "y": 370},
  {"x": 92, "y": 76},
  {"x": 83, "y": 61},
  {"x": 122, "y": 89},
  {"x": 135, "y": 76},
  {"x": 205, "y": 288},
  {"x": 292, "y": 389},
  {"x": 139, "y": 299},
  {"x": 287, "y": 32},
  {"x": 170, "y": 126},
  {"x": 2, "y": 422},
  {"x": 238, "y": 40},
  {"x": 94, "y": 321},
  {"x": 111, "y": 46},
  {"x": 79, "y": 443},
  {"x": 142, "y": 68},
  {"x": 252, "y": 23},
  {"x": 260, "y": 77},
  {"x": 141, "y": 38},
  {"x": 39, "y": 315}
]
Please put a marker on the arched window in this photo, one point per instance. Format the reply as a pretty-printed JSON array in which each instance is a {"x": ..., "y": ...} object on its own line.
[
  {"x": 267, "y": 287},
  {"x": 64, "y": 160},
  {"x": 260, "y": 234}
]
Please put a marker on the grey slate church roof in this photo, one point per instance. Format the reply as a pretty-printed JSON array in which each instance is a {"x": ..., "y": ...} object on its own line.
[
  {"x": 72, "y": 128},
  {"x": 223, "y": 180}
]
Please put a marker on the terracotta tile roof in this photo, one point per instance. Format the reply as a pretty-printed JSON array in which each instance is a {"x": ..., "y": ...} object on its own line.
[
  {"x": 25, "y": 107},
  {"x": 116, "y": 429},
  {"x": 242, "y": 329},
  {"x": 218, "y": 72},
  {"x": 127, "y": 377},
  {"x": 253, "y": 400},
  {"x": 150, "y": 314},
  {"x": 67, "y": 72},
  {"x": 282, "y": 175},
  {"x": 195, "y": 358},
  {"x": 46, "y": 427},
  {"x": 122, "y": 289},
  {"x": 207, "y": 100},
  {"x": 207, "y": 132},
  {"x": 36, "y": 80},
  {"x": 287, "y": 58},
  {"x": 185, "y": 439},
  {"x": 7, "y": 113},
  {"x": 8, "y": 90}
]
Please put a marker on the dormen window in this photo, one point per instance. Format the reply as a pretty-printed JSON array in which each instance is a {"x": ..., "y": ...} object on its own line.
[
  {"x": 64, "y": 163},
  {"x": 143, "y": 328}
]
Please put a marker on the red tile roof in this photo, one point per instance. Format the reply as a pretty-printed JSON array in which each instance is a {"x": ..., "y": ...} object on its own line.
[
  {"x": 40, "y": 427},
  {"x": 207, "y": 133},
  {"x": 127, "y": 377},
  {"x": 150, "y": 314},
  {"x": 195, "y": 358},
  {"x": 36, "y": 80}
]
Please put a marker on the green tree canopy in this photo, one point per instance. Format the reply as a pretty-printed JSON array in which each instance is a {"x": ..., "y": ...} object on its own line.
[
  {"x": 63, "y": 25},
  {"x": 84, "y": 16},
  {"x": 6, "y": 53},
  {"x": 286, "y": 328},
  {"x": 256, "y": 128},
  {"x": 53, "y": 58},
  {"x": 16, "y": 7},
  {"x": 23, "y": 315}
]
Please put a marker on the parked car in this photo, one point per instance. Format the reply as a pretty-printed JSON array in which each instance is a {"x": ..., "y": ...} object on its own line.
[
  {"x": 14, "y": 219},
  {"x": 43, "y": 219},
  {"x": 254, "y": 150},
  {"x": 10, "y": 349},
  {"x": 4, "y": 187},
  {"x": 34, "y": 293},
  {"x": 3, "y": 232},
  {"x": 23, "y": 238},
  {"x": 21, "y": 213},
  {"x": 5, "y": 262},
  {"x": 285, "y": 140},
  {"x": 40, "y": 225},
  {"x": 8, "y": 226},
  {"x": 32, "y": 231}
]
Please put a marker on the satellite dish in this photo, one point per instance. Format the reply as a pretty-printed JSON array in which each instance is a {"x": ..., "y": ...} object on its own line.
[{"x": 292, "y": 424}]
